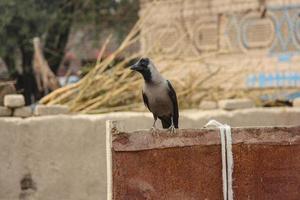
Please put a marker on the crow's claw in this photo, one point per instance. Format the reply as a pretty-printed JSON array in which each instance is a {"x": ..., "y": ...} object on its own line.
[
  {"x": 154, "y": 131},
  {"x": 172, "y": 129}
]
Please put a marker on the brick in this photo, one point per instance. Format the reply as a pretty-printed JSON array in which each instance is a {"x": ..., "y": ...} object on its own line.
[
  {"x": 234, "y": 104},
  {"x": 296, "y": 102},
  {"x": 23, "y": 112},
  {"x": 14, "y": 100},
  {"x": 208, "y": 105},
  {"x": 5, "y": 112},
  {"x": 51, "y": 110}
]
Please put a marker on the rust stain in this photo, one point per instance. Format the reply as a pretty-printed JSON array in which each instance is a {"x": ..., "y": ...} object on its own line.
[
  {"x": 175, "y": 173},
  {"x": 266, "y": 171},
  {"x": 144, "y": 140},
  {"x": 123, "y": 138}
]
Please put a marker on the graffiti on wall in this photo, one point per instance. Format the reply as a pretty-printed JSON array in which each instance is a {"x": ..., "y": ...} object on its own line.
[
  {"x": 278, "y": 31},
  {"x": 277, "y": 79},
  {"x": 287, "y": 29},
  {"x": 274, "y": 33}
]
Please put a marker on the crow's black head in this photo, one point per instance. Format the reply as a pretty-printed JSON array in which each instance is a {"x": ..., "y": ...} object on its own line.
[
  {"x": 143, "y": 66},
  {"x": 144, "y": 62}
]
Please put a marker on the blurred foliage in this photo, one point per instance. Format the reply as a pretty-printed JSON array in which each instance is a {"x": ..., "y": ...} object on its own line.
[
  {"x": 21, "y": 20},
  {"x": 52, "y": 21}
]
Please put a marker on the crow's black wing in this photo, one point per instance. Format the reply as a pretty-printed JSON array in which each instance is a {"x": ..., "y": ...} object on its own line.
[
  {"x": 145, "y": 99},
  {"x": 173, "y": 97}
]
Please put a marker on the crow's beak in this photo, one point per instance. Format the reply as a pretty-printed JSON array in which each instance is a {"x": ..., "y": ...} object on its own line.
[{"x": 135, "y": 67}]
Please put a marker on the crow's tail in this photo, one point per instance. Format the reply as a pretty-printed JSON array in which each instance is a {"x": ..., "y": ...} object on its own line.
[{"x": 166, "y": 122}]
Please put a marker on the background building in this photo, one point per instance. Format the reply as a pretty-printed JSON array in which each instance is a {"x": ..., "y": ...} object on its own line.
[{"x": 255, "y": 43}]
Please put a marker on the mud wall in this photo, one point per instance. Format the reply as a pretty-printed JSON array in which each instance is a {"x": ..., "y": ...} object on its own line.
[
  {"x": 63, "y": 156},
  {"x": 250, "y": 43}
]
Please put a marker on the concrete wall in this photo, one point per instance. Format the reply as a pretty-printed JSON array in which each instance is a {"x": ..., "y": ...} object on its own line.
[{"x": 63, "y": 157}]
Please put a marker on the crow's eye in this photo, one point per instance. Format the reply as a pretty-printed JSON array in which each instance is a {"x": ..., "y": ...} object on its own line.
[{"x": 144, "y": 62}]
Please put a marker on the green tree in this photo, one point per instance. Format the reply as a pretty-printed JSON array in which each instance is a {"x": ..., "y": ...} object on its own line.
[{"x": 21, "y": 21}]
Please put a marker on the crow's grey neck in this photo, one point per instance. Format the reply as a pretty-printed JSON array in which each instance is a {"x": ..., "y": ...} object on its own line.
[
  {"x": 152, "y": 75},
  {"x": 154, "y": 80}
]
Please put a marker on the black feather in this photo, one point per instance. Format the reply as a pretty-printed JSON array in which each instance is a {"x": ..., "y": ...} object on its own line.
[
  {"x": 144, "y": 62},
  {"x": 173, "y": 97},
  {"x": 145, "y": 99},
  {"x": 146, "y": 73},
  {"x": 166, "y": 122}
]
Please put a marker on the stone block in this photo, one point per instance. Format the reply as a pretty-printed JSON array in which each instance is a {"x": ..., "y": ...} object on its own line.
[
  {"x": 235, "y": 104},
  {"x": 14, "y": 100},
  {"x": 5, "y": 112},
  {"x": 23, "y": 112},
  {"x": 208, "y": 105},
  {"x": 296, "y": 102},
  {"x": 51, "y": 110},
  {"x": 6, "y": 88}
]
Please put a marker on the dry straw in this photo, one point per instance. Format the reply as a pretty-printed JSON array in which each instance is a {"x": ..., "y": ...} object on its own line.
[{"x": 109, "y": 89}]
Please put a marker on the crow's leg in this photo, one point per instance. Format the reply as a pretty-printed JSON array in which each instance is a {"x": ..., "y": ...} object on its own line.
[
  {"x": 153, "y": 128},
  {"x": 172, "y": 127}
]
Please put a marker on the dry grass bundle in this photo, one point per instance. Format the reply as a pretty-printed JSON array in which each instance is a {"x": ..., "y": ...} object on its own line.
[
  {"x": 102, "y": 87},
  {"x": 117, "y": 89},
  {"x": 109, "y": 89},
  {"x": 106, "y": 89}
]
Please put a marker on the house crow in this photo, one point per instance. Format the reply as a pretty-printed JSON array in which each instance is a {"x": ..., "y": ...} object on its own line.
[{"x": 159, "y": 95}]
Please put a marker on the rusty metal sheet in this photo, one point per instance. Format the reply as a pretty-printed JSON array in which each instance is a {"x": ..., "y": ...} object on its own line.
[
  {"x": 174, "y": 173},
  {"x": 267, "y": 163},
  {"x": 144, "y": 140},
  {"x": 266, "y": 171},
  {"x": 188, "y": 165},
  {"x": 267, "y": 135}
]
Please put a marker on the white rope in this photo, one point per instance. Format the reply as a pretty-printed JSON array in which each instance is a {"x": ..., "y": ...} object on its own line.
[
  {"x": 227, "y": 158},
  {"x": 109, "y": 180}
]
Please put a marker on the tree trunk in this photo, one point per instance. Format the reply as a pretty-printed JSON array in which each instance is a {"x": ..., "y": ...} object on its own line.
[
  {"x": 57, "y": 37},
  {"x": 27, "y": 85},
  {"x": 26, "y": 82}
]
